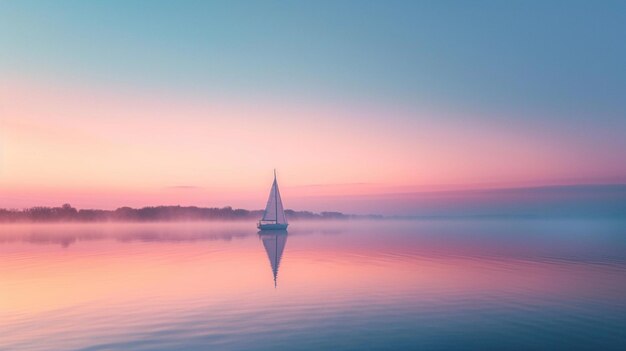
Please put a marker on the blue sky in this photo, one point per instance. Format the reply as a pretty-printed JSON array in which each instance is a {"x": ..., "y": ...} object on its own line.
[{"x": 563, "y": 59}]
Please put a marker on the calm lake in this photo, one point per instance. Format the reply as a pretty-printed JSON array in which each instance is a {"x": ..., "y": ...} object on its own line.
[{"x": 507, "y": 284}]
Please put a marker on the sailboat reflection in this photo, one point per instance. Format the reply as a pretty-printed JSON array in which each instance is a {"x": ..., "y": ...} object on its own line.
[{"x": 274, "y": 242}]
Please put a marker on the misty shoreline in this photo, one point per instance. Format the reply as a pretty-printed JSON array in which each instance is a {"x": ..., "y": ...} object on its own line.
[
  {"x": 67, "y": 213},
  {"x": 170, "y": 214}
]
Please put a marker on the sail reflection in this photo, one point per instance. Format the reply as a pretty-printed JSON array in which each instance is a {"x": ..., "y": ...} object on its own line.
[{"x": 274, "y": 244}]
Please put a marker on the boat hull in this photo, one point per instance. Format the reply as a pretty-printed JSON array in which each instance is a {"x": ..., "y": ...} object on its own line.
[{"x": 272, "y": 226}]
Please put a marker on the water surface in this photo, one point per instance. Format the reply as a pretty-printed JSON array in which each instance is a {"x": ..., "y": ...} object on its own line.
[{"x": 352, "y": 285}]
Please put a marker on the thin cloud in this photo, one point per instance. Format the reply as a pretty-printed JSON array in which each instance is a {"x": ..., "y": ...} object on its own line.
[{"x": 331, "y": 185}]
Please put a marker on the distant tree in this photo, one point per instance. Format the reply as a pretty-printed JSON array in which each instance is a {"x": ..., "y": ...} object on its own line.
[{"x": 160, "y": 213}]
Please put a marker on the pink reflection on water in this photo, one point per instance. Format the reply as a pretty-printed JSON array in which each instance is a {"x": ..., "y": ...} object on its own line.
[{"x": 113, "y": 278}]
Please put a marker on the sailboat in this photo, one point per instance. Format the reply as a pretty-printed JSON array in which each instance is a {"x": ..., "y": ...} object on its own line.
[{"x": 274, "y": 215}]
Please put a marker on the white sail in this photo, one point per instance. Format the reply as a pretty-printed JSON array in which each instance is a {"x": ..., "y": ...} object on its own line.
[
  {"x": 280, "y": 219},
  {"x": 274, "y": 211}
]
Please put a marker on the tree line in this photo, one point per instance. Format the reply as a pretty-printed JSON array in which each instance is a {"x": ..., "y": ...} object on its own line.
[{"x": 67, "y": 213}]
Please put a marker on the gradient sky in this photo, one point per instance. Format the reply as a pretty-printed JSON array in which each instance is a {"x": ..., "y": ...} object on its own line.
[{"x": 112, "y": 103}]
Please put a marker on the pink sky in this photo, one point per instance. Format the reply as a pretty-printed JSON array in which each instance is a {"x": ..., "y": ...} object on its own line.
[{"x": 106, "y": 148}]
